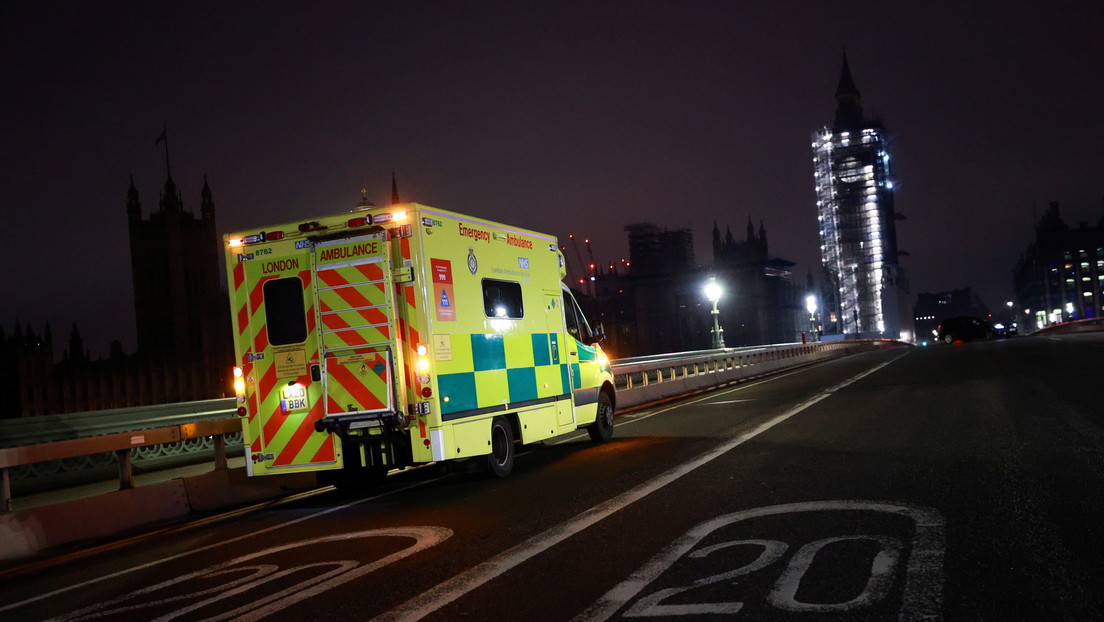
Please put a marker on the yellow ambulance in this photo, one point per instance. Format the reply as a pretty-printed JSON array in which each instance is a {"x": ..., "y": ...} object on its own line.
[{"x": 402, "y": 335}]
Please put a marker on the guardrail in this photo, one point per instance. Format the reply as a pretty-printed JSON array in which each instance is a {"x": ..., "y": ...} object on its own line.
[
  {"x": 121, "y": 431},
  {"x": 647, "y": 379}
]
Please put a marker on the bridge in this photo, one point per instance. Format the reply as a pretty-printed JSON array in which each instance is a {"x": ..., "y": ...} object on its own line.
[{"x": 826, "y": 479}]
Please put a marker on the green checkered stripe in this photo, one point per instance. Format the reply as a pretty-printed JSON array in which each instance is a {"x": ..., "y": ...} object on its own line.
[{"x": 507, "y": 370}]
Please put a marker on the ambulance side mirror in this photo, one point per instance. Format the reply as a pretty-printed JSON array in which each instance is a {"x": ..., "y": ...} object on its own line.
[{"x": 598, "y": 334}]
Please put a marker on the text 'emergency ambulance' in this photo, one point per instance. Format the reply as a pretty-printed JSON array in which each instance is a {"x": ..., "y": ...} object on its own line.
[{"x": 475, "y": 234}]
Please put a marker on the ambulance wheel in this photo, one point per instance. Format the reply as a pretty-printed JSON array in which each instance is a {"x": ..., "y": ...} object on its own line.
[
  {"x": 501, "y": 459},
  {"x": 602, "y": 428}
]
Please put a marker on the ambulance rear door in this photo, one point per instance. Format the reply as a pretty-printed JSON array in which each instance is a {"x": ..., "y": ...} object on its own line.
[{"x": 357, "y": 325}]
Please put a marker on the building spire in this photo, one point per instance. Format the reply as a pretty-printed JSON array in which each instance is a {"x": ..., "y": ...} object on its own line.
[
  {"x": 364, "y": 202},
  {"x": 206, "y": 203},
  {"x": 846, "y": 88},
  {"x": 134, "y": 206},
  {"x": 849, "y": 112}
]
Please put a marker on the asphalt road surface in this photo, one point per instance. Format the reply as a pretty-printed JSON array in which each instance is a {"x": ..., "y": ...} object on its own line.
[{"x": 949, "y": 482}]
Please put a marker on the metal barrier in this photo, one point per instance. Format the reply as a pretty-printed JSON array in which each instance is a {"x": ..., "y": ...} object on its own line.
[
  {"x": 120, "y": 444},
  {"x": 61, "y": 438},
  {"x": 648, "y": 379}
]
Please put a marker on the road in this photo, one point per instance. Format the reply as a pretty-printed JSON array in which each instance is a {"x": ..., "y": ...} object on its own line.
[{"x": 950, "y": 482}]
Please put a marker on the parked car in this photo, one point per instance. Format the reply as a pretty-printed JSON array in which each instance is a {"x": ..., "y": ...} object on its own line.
[{"x": 963, "y": 328}]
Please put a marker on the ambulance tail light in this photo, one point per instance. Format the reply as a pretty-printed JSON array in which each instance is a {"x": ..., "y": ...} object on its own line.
[
  {"x": 422, "y": 366},
  {"x": 359, "y": 222},
  {"x": 274, "y": 235},
  {"x": 242, "y": 412},
  {"x": 239, "y": 384}
]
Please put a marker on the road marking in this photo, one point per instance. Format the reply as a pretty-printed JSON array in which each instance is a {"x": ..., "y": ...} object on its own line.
[
  {"x": 342, "y": 572},
  {"x": 170, "y": 558},
  {"x": 923, "y": 592},
  {"x": 784, "y": 594},
  {"x": 444, "y": 593}
]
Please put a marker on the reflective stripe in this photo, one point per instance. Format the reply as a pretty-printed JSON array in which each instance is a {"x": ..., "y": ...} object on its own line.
[{"x": 437, "y": 444}]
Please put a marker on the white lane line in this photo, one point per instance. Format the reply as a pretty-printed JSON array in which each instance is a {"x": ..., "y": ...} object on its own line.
[
  {"x": 444, "y": 593},
  {"x": 163, "y": 560}
]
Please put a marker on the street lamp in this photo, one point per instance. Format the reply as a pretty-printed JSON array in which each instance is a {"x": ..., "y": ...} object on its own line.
[
  {"x": 713, "y": 294},
  {"x": 811, "y": 307}
]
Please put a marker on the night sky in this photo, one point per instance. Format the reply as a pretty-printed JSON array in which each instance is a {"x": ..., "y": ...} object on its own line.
[{"x": 576, "y": 117}]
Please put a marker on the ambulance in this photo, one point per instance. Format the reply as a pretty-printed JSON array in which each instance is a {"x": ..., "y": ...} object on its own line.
[{"x": 396, "y": 336}]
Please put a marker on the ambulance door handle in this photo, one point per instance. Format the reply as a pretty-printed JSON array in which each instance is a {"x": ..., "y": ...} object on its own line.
[
  {"x": 316, "y": 373},
  {"x": 573, "y": 353}
]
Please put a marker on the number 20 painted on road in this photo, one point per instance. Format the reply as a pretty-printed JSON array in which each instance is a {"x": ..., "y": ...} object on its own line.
[{"x": 922, "y": 597}]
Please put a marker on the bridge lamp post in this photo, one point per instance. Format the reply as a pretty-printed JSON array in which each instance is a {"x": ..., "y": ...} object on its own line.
[
  {"x": 713, "y": 294},
  {"x": 811, "y": 307}
]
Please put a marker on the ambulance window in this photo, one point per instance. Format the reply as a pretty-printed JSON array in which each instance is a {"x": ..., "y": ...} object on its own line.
[
  {"x": 284, "y": 313},
  {"x": 502, "y": 299},
  {"x": 577, "y": 325}
]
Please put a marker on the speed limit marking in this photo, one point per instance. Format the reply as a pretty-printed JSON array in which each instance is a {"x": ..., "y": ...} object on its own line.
[{"x": 922, "y": 595}]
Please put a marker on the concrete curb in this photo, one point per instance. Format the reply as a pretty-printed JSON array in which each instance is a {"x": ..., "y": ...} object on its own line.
[{"x": 33, "y": 531}]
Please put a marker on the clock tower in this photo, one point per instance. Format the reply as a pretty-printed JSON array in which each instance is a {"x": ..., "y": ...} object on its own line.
[{"x": 865, "y": 294}]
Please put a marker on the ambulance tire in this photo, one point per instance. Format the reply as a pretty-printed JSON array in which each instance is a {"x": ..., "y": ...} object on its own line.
[
  {"x": 601, "y": 430},
  {"x": 501, "y": 459}
]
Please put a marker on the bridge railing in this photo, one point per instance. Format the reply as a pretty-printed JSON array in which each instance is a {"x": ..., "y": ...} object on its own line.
[{"x": 66, "y": 445}]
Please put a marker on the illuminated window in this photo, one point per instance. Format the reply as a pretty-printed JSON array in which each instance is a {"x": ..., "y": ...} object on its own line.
[{"x": 502, "y": 299}]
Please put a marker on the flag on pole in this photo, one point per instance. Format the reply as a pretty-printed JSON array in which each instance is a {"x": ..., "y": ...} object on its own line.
[{"x": 160, "y": 138}]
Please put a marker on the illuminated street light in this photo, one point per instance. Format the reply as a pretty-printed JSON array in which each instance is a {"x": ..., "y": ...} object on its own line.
[
  {"x": 811, "y": 307},
  {"x": 713, "y": 294}
]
